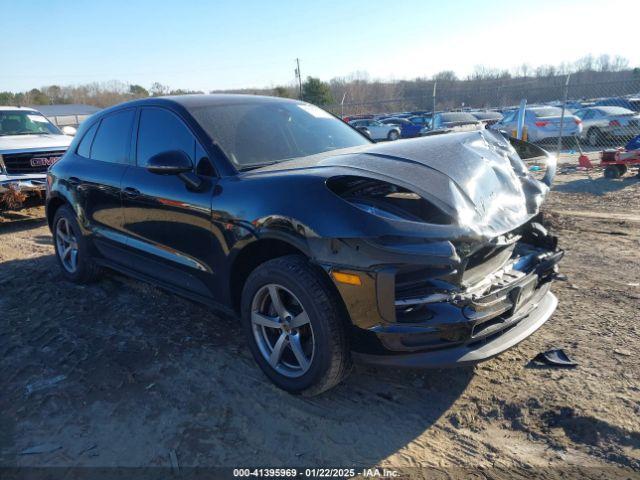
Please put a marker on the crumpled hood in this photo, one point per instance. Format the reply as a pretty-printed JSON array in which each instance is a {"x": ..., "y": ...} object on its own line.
[
  {"x": 15, "y": 143},
  {"x": 476, "y": 178}
]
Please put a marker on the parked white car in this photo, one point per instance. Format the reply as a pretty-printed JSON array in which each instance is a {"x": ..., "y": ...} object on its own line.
[
  {"x": 378, "y": 130},
  {"x": 541, "y": 123},
  {"x": 600, "y": 124},
  {"x": 29, "y": 145}
]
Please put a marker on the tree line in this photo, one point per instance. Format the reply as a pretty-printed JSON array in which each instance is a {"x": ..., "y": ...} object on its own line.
[{"x": 484, "y": 87}]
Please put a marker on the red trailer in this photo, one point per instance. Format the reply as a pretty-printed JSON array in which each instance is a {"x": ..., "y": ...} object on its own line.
[{"x": 617, "y": 162}]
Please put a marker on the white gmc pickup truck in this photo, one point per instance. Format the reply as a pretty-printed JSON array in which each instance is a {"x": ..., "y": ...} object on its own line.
[{"x": 29, "y": 144}]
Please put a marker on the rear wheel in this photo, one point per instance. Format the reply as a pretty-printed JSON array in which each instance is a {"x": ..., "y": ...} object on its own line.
[
  {"x": 393, "y": 135},
  {"x": 294, "y": 326},
  {"x": 72, "y": 249}
]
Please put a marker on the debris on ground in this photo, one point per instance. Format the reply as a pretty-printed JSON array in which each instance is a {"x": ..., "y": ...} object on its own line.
[{"x": 555, "y": 357}]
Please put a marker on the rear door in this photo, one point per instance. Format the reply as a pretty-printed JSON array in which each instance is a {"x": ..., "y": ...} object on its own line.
[
  {"x": 168, "y": 223},
  {"x": 101, "y": 160}
]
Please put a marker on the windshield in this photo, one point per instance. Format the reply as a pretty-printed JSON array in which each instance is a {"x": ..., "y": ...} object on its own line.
[
  {"x": 25, "y": 122},
  {"x": 260, "y": 133}
]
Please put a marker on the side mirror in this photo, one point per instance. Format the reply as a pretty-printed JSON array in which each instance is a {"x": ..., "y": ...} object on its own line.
[
  {"x": 175, "y": 162},
  {"x": 172, "y": 162},
  {"x": 69, "y": 130}
]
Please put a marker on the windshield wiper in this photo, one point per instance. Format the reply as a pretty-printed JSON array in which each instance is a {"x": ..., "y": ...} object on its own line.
[{"x": 253, "y": 166}]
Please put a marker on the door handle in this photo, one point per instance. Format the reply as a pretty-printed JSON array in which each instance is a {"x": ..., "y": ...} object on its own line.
[
  {"x": 131, "y": 192},
  {"x": 73, "y": 181}
]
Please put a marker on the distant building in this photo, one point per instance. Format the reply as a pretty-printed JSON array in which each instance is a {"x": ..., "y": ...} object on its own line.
[{"x": 67, "y": 114}]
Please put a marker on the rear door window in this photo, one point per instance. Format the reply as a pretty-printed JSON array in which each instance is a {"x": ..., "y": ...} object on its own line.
[{"x": 113, "y": 138}]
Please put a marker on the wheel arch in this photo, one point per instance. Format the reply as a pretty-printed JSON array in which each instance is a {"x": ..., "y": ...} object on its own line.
[
  {"x": 254, "y": 254},
  {"x": 53, "y": 205},
  {"x": 263, "y": 249}
]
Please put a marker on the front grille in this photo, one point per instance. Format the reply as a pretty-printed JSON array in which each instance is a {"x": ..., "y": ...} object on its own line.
[{"x": 30, "y": 162}]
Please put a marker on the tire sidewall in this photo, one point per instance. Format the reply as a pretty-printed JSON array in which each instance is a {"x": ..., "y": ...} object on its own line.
[{"x": 321, "y": 356}]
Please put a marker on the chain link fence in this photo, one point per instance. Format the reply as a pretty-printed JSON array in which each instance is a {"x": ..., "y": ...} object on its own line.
[{"x": 574, "y": 113}]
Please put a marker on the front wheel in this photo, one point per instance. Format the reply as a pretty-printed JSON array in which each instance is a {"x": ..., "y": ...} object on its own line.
[
  {"x": 294, "y": 326},
  {"x": 393, "y": 135}
]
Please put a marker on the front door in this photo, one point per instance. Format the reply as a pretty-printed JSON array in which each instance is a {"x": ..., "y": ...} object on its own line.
[{"x": 167, "y": 222}]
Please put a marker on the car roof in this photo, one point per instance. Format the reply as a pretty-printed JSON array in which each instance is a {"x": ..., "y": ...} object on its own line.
[
  {"x": 197, "y": 100},
  {"x": 204, "y": 100},
  {"x": 609, "y": 109}
]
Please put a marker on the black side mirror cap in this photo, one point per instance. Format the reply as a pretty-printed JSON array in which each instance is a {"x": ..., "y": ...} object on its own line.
[{"x": 171, "y": 162}]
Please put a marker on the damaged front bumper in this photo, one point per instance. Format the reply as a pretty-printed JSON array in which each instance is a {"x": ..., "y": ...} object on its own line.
[
  {"x": 473, "y": 351},
  {"x": 437, "y": 309}
]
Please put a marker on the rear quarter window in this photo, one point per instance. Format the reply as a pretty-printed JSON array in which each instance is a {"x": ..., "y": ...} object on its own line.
[
  {"x": 84, "y": 148},
  {"x": 112, "y": 140}
]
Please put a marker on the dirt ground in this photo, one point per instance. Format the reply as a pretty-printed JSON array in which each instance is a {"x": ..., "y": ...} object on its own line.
[{"x": 120, "y": 373}]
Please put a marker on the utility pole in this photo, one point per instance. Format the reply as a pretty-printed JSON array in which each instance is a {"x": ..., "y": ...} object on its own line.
[
  {"x": 299, "y": 76},
  {"x": 564, "y": 106},
  {"x": 433, "y": 111}
]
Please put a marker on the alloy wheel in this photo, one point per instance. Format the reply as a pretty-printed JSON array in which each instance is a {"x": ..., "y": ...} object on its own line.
[
  {"x": 67, "y": 245},
  {"x": 282, "y": 330}
]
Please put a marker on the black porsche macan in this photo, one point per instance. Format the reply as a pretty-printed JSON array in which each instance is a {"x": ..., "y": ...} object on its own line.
[{"x": 425, "y": 252}]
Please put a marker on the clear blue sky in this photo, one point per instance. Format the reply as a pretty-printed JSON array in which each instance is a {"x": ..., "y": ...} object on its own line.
[{"x": 251, "y": 43}]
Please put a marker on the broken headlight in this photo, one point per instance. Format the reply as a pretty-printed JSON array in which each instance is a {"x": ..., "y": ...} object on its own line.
[{"x": 386, "y": 200}]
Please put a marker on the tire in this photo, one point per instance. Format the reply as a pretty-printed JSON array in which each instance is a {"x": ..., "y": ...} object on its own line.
[
  {"x": 322, "y": 339},
  {"x": 393, "y": 135},
  {"x": 66, "y": 232},
  {"x": 594, "y": 137},
  {"x": 622, "y": 169},
  {"x": 612, "y": 171}
]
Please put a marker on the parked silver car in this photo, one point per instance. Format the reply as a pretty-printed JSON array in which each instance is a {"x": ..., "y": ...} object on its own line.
[
  {"x": 603, "y": 123},
  {"x": 541, "y": 123},
  {"x": 378, "y": 130}
]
